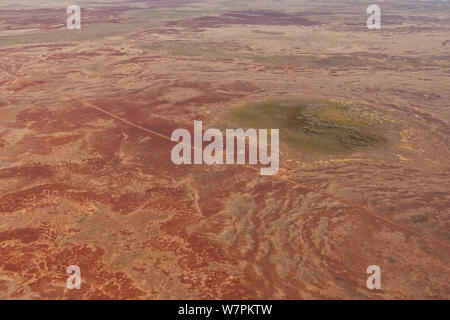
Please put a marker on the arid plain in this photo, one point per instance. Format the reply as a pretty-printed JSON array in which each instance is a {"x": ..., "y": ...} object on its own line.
[{"x": 86, "y": 176}]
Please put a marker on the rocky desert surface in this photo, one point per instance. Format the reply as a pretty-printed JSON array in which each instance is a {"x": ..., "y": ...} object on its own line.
[{"x": 86, "y": 176}]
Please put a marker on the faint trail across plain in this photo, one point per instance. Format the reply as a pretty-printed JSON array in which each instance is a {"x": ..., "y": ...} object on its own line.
[{"x": 360, "y": 208}]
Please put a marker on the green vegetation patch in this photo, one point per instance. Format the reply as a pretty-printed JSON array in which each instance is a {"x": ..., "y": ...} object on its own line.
[{"x": 326, "y": 126}]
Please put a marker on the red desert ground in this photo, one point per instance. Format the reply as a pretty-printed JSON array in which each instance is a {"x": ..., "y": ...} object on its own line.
[{"x": 87, "y": 180}]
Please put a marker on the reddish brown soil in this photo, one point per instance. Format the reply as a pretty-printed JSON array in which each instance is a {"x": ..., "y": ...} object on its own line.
[
  {"x": 260, "y": 17},
  {"x": 52, "y": 18},
  {"x": 86, "y": 177}
]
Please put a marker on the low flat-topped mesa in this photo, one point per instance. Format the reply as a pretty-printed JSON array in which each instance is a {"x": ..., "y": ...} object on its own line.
[{"x": 214, "y": 152}]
